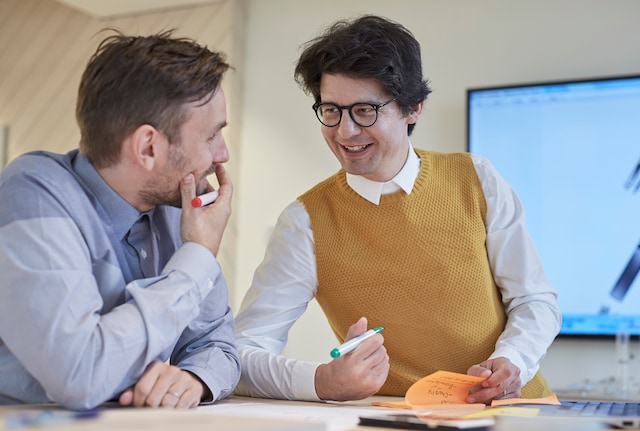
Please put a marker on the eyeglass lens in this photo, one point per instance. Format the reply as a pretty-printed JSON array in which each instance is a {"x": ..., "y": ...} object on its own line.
[{"x": 363, "y": 114}]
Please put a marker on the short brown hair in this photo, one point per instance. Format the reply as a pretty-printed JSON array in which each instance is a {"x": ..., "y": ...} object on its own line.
[
  {"x": 366, "y": 47},
  {"x": 135, "y": 80}
]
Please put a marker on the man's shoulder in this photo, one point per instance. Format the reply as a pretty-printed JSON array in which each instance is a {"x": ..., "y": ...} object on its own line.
[
  {"x": 323, "y": 185},
  {"x": 34, "y": 180},
  {"x": 455, "y": 155},
  {"x": 38, "y": 165}
]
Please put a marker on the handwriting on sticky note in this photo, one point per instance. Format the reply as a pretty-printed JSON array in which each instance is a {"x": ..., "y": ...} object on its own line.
[
  {"x": 441, "y": 387},
  {"x": 444, "y": 388}
]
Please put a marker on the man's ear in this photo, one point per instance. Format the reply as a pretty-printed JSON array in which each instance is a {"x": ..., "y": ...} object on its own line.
[
  {"x": 146, "y": 143},
  {"x": 414, "y": 115}
]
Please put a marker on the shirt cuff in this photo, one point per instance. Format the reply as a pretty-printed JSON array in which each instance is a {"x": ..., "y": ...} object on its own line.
[
  {"x": 304, "y": 387},
  {"x": 198, "y": 263}
]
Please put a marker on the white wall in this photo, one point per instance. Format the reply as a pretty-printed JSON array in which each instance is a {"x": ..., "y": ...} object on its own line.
[{"x": 465, "y": 43}]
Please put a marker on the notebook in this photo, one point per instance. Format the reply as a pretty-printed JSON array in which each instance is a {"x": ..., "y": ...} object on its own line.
[
  {"x": 414, "y": 421},
  {"x": 622, "y": 415}
]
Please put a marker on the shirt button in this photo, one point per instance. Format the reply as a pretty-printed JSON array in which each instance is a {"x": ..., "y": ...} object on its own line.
[
  {"x": 143, "y": 253},
  {"x": 209, "y": 283}
]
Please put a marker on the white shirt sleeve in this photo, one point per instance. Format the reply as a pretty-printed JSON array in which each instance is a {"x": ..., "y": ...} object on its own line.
[
  {"x": 282, "y": 286},
  {"x": 533, "y": 316},
  {"x": 286, "y": 281}
]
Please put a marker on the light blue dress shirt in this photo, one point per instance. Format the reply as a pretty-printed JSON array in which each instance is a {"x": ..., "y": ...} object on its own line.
[{"x": 86, "y": 305}]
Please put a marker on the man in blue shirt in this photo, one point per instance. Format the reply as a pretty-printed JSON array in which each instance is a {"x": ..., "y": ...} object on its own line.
[{"x": 109, "y": 291}]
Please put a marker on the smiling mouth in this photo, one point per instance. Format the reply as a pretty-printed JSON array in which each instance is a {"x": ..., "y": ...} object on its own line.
[{"x": 357, "y": 149}]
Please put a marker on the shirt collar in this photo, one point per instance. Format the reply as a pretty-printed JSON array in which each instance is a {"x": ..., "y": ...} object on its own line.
[
  {"x": 404, "y": 180},
  {"x": 116, "y": 211}
]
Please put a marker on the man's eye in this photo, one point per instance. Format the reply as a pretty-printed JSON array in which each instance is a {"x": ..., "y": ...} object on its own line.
[
  {"x": 363, "y": 109},
  {"x": 329, "y": 110}
]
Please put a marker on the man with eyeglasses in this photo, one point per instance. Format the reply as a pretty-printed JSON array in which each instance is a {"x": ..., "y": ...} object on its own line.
[{"x": 433, "y": 247}]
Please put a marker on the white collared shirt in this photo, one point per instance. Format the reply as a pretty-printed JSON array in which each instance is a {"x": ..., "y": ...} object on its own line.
[
  {"x": 403, "y": 180},
  {"x": 287, "y": 280}
]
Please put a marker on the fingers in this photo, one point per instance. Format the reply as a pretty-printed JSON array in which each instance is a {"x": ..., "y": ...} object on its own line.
[
  {"x": 164, "y": 385},
  {"x": 505, "y": 390},
  {"x": 479, "y": 371},
  {"x": 180, "y": 396},
  {"x": 357, "y": 328},
  {"x": 503, "y": 373},
  {"x": 502, "y": 381},
  {"x": 205, "y": 225},
  {"x": 126, "y": 398},
  {"x": 225, "y": 187},
  {"x": 351, "y": 377},
  {"x": 223, "y": 177},
  {"x": 187, "y": 190},
  {"x": 357, "y": 374}
]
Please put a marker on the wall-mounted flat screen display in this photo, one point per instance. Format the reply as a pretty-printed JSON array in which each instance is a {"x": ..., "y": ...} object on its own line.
[{"x": 571, "y": 151}]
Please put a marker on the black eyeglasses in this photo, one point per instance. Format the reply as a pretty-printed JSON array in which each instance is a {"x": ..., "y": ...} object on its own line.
[{"x": 363, "y": 114}]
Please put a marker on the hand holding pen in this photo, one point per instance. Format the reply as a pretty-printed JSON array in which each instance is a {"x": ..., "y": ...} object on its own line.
[
  {"x": 359, "y": 371},
  {"x": 205, "y": 225},
  {"x": 351, "y": 344},
  {"x": 205, "y": 199}
]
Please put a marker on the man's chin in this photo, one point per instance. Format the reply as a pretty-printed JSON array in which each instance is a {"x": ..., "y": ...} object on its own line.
[{"x": 176, "y": 201}]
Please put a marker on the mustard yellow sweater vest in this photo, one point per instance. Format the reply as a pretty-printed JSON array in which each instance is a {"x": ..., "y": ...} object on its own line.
[{"x": 415, "y": 264}]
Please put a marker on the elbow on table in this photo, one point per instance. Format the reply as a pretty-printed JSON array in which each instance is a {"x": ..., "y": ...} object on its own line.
[{"x": 79, "y": 397}]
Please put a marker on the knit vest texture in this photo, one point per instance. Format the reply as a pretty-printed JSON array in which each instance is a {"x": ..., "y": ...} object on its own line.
[{"x": 415, "y": 264}]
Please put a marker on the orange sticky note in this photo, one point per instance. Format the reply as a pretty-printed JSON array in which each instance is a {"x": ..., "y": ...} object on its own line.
[
  {"x": 441, "y": 387},
  {"x": 392, "y": 404},
  {"x": 436, "y": 389},
  {"x": 505, "y": 411},
  {"x": 551, "y": 399},
  {"x": 444, "y": 389}
]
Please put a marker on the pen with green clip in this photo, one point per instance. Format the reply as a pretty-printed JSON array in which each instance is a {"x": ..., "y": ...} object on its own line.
[{"x": 348, "y": 346}]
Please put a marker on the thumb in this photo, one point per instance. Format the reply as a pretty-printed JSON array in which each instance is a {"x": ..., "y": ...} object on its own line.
[
  {"x": 126, "y": 398},
  {"x": 479, "y": 371},
  {"x": 357, "y": 328}
]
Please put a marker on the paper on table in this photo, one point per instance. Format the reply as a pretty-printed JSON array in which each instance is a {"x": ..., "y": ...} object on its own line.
[
  {"x": 447, "y": 389},
  {"x": 440, "y": 411},
  {"x": 551, "y": 399},
  {"x": 441, "y": 387},
  {"x": 505, "y": 411}
]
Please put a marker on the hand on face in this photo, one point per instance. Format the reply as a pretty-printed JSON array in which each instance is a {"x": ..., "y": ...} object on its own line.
[
  {"x": 503, "y": 381},
  {"x": 205, "y": 225},
  {"x": 358, "y": 374},
  {"x": 164, "y": 385}
]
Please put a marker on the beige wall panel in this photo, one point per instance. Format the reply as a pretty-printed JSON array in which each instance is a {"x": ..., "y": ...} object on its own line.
[{"x": 44, "y": 48}]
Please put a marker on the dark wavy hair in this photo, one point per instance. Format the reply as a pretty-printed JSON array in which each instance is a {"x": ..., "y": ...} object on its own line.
[
  {"x": 367, "y": 47},
  {"x": 134, "y": 80}
]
